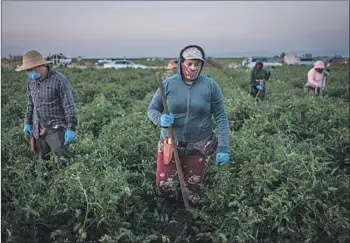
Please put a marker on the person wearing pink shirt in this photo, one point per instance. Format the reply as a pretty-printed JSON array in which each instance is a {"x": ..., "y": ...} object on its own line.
[{"x": 316, "y": 79}]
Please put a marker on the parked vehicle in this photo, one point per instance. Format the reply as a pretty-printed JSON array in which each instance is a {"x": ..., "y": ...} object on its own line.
[
  {"x": 268, "y": 62},
  {"x": 59, "y": 59},
  {"x": 104, "y": 60},
  {"x": 246, "y": 61},
  {"x": 117, "y": 64}
]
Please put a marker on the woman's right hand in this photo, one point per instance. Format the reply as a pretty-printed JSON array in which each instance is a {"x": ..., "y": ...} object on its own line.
[{"x": 167, "y": 120}]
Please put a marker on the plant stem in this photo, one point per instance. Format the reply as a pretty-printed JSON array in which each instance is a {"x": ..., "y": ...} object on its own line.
[{"x": 86, "y": 198}]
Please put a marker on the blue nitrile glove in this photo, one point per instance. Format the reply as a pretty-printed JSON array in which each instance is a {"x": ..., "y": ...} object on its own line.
[
  {"x": 222, "y": 158},
  {"x": 260, "y": 87},
  {"x": 166, "y": 120},
  {"x": 27, "y": 129},
  {"x": 69, "y": 136},
  {"x": 325, "y": 72},
  {"x": 269, "y": 70}
]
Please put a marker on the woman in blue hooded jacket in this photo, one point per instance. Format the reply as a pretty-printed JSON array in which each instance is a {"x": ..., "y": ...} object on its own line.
[{"x": 192, "y": 100}]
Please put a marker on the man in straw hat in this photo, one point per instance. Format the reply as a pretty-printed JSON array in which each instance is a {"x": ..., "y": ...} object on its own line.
[{"x": 51, "y": 115}]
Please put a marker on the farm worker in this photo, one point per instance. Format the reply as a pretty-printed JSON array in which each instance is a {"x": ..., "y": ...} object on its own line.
[
  {"x": 192, "y": 99},
  {"x": 51, "y": 115},
  {"x": 258, "y": 78},
  {"x": 316, "y": 78},
  {"x": 171, "y": 68}
]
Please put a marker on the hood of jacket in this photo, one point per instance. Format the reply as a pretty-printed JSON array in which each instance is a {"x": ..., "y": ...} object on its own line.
[{"x": 181, "y": 59}]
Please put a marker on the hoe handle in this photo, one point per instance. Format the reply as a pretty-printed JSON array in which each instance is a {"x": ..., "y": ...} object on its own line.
[{"x": 177, "y": 158}]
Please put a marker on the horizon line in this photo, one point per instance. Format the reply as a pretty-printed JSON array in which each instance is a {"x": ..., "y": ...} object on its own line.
[{"x": 167, "y": 57}]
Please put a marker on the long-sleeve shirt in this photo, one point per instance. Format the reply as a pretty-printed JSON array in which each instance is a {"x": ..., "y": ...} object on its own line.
[
  {"x": 193, "y": 107},
  {"x": 50, "y": 102}
]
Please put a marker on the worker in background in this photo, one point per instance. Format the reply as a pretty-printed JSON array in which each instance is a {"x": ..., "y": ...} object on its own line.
[
  {"x": 316, "y": 79},
  {"x": 258, "y": 79}
]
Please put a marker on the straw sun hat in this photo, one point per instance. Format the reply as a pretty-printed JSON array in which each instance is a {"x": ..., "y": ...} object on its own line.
[{"x": 32, "y": 59}]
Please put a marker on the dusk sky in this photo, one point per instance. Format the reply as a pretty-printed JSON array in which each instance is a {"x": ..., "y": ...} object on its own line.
[{"x": 153, "y": 28}]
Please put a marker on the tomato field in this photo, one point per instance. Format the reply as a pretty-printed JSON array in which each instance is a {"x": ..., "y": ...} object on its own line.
[{"x": 287, "y": 180}]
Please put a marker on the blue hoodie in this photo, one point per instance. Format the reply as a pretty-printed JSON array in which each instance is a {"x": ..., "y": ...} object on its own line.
[{"x": 193, "y": 106}]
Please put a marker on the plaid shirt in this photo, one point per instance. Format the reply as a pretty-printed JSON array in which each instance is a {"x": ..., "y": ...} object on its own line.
[{"x": 50, "y": 103}]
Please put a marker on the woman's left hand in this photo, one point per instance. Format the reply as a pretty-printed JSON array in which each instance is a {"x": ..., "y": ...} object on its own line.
[{"x": 222, "y": 158}]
